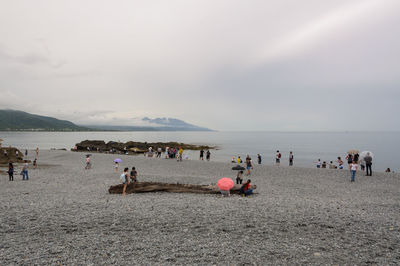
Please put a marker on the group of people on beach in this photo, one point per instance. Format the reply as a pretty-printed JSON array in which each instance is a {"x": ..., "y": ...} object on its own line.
[
  {"x": 128, "y": 177},
  {"x": 24, "y": 170},
  {"x": 169, "y": 153},
  {"x": 353, "y": 162}
]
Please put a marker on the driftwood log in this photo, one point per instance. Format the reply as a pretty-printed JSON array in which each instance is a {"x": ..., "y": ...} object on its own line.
[{"x": 143, "y": 187}]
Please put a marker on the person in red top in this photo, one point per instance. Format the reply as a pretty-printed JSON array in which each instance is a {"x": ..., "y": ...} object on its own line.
[{"x": 245, "y": 189}]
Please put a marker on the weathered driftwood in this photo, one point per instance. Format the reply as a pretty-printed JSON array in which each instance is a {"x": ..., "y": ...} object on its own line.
[{"x": 143, "y": 187}]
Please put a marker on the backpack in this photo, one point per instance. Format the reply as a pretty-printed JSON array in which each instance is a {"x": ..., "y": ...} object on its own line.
[
  {"x": 123, "y": 177},
  {"x": 279, "y": 155}
]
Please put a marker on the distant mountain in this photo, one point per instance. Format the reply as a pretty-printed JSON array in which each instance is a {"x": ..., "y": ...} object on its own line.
[
  {"x": 12, "y": 120},
  {"x": 172, "y": 123},
  {"x": 156, "y": 124}
]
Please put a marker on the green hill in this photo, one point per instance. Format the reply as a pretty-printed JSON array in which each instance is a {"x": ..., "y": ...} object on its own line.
[{"x": 12, "y": 120}]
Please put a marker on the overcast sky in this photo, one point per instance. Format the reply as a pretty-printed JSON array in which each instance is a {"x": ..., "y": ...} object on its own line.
[{"x": 227, "y": 65}]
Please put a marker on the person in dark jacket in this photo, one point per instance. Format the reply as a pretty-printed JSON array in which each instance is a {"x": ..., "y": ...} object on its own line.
[
  {"x": 368, "y": 163},
  {"x": 10, "y": 172}
]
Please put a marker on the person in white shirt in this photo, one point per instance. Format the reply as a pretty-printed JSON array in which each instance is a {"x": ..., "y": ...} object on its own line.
[{"x": 353, "y": 170}]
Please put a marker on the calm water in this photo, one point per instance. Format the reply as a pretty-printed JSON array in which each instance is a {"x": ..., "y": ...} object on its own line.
[{"x": 307, "y": 147}]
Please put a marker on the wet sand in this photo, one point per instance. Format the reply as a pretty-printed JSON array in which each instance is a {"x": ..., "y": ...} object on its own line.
[{"x": 64, "y": 215}]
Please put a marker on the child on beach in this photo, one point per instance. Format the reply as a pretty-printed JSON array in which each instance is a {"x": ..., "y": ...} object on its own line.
[
  {"x": 353, "y": 170},
  {"x": 340, "y": 162},
  {"x": 239, "y": 177},
  {"x": 116, "y": 166},
  {"x": 133, "y": 175}
]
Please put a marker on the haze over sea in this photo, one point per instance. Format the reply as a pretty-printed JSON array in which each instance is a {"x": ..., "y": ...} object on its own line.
[{"x": 306, "y": 146}]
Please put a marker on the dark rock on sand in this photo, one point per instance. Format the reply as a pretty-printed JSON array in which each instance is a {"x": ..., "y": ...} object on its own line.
[
  {"x": 9, "y": 154},
  {"x": 132, "y": 147}
]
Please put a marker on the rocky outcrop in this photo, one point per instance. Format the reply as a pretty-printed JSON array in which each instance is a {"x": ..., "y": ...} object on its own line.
[
  {"x": 9, "y": 154},
  {"x": 131, "y": 146}
]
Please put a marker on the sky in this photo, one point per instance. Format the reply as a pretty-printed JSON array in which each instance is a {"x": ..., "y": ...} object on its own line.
[{"x": 288, "y": 65}]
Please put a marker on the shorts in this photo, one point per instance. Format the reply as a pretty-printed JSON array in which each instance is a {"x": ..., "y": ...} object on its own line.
[
  {"x": 278, "y": 160},
  {"x": 248, "y": 167}
]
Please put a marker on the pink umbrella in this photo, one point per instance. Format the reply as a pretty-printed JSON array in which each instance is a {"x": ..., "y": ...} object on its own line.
[{"x": 225, "y": 183}]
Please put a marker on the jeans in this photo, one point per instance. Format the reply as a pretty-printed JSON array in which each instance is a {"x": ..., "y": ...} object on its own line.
[
  {"x": 248, "y": 192},
  {"x": 25, "y": 174},
  {"x": 368, "y": 165},
  {"x": 353, "y": 175}
]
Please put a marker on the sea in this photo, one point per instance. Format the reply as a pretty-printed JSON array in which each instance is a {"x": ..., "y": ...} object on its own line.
[{"x": 307, "y": 147}]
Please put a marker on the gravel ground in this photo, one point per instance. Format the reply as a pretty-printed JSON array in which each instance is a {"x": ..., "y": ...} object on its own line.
[{"x": 64, "y": 215}]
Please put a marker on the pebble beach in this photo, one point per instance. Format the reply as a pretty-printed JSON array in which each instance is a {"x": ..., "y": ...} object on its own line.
[{"x": 65, "y": 215}]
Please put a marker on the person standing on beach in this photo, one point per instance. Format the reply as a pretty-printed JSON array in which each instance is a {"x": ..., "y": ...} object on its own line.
[
  {"x": 353, "y": 170},
  {"x": 259, "y": 158},
  {"x": 291, "y": 157},
  {"x": 10, "y": 172},
  {"x": 319, "y": 163},
  {"x": 88, "y": 163},
  {"x": 239, "y": 161},
  {"x": 26, "y": 152},
  {"x": 37, "y": 152},
  {"x": 201, "y": 154},
  {"x": 180, "y": 154},
  {"x": 349, "y": 159},
  {"x": 368, "y": 164},
  {"x": 166, "y": 152},
  {"x": 159, "y": 151},
  {"x": 249, "y": 164},
  {"x": 34, "y": 163},
  {"x": 116, "y": 166},
  {"x": 278, "y": 158},
  {"x": 25, "y": 171},
  {"x": 125, "y": 179},
  {"x": 239, "y": 177},
  {"x": 208, "y": 155}
]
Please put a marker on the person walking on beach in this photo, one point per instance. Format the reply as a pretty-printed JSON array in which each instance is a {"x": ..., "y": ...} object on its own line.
[
  {"x": 25, "y": 171},
  {"x": 353, "y": 170},
  {"x": 208, "y": 155},
  {"x": 133, "y": 175},
  {"x": 278, "y": 158},
  {"x": 34, "y": 163},
  {"x": 368, "y": 164},
  {"x": 125, "y": 179},
  {"x": 37, "y": 152},
  {"x": 201, "y": 154},
  {"x": 291, "y": 157},
  {"x": 10, "y": 172},
  {"x": 259, "y": 158},
  {"x": 249, "y": 164}
]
